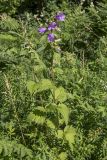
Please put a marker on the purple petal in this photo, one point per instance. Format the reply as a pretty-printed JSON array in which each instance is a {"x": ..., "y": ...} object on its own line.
[
  {"x": 60, "y": 16},
  {"x": 42, "y": 30},
  {"x": 52, "y": 26},
  {"x": 51, "y": 37}
]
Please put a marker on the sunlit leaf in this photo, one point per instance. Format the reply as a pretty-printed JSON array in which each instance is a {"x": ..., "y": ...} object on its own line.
[
  {"x": 70, "y": 133},
  {"x": 32, "y": 86},
  {"x": 60, "y": 94},
  {"x": 63, "y": 156},
  {"x": 64, "y": 111}
]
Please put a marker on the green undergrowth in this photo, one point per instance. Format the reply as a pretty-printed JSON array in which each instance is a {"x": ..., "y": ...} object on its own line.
[{"x": 53, "y": 96}]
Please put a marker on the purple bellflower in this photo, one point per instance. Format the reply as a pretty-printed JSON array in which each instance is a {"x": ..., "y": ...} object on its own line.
[
  {"x": 51, "y": 37},
  {"x": 42, "y": 30},
  {"x": 60, "y": 16},
  {"x": 52, "y": 26}
]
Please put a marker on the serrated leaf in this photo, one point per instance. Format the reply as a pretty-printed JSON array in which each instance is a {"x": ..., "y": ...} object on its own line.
[
  {"x": 60, "y": 94},
  {"x": 60, "y": 134},
  {"x": 36, "y": 118},
  {"x": 22, "y": 152},
  {"x": 41, "y": 109},
  {"x": 39, "y": 120},
  {"x": 50, "y": 124},
  {"x": 45, "y": 84},
  {"x": 63, "y": 156},
  {"x": 58, "y": 71},
  {"x": 64, "y": 111},
  {"x": 69, "y": 133},
  {"x": 32, "y": 86},
  {"x": 31, "y": 117}
]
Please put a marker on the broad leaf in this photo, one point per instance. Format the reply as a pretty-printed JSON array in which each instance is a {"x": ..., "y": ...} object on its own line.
[
  {"x": 69, "y": 133},
  {"x": 60, "y": 134},
  {"x": 60, "y": 94},
  {"x": 63, "y": 156},
  {"x": 64, "y": 111},
  {"x": 32, "y": 86},
  {"x": 40, "y": 120},
  {"x": 45, "y": 84},
  {"x": 50, "y": 124}
]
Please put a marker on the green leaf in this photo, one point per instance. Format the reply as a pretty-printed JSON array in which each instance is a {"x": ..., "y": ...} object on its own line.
[
  {"x": 56, "y": 59},
  {"x": 69, "y": 133},
  {"x": 64, "y": 111},
  {"x": 41, "y": 109},
  {"x": 63, "y": 156},
  {"x": 1, "y": 149},
  {"x": 22, "y": 152},
  {"x": 6, "y": 152},
  {"x": 50, "y": 124},
  {"x": 31, "y": 117},
  {"x": 40, "y": 120},
  {"x": 45, "y": 84},
  {"x": 7, "y": 37},
  {"x": 102, "y": 110},
  {"x": 32, "y": 86},
  {"x": 60, "y": 94},
  {"x": 58, "y": 71},
  {"x": 60, "y": 134}
]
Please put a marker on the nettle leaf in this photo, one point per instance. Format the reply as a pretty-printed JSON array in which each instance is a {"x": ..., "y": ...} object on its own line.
[
  {"x": 60, "y": 134},
  {"x": 41, "y": 109},
  {"x": 45, "y": 84},
  {"x": 64, "y": 111},
  {"x": 40, "y": 120},
  {"x": 63, "y": 156},
  {"x": 60, "y": 94},
  {"x": 32, "y": 86},
  {"x": 22, "y": 152},
  {"x": 31, "y": 117},
  {"x": 51, "y": 108},
  {"x": 69, "y": 133},
  {"x": 58, "y": 71},
  {"x": 50, "y": 124}
]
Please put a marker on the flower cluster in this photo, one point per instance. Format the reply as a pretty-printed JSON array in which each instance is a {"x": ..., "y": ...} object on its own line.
[{"x": 53, "y": 25}]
